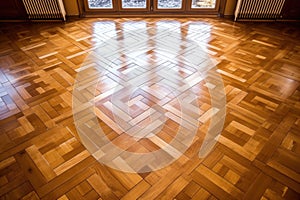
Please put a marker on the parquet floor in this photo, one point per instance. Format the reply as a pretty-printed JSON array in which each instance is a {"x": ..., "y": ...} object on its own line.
[{"x": 42, "y": 156}]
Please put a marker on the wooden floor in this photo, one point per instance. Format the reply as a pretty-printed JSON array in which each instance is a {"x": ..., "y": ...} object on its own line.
[{"x": 256, "y": 157}]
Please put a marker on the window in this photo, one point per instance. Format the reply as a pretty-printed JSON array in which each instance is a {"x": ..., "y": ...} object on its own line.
[
  {"x": 203, "y": 3},
  {"x": 96, "y": 4}
]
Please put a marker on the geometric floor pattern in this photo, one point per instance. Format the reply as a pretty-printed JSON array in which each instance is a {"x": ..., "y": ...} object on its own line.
[{"x": 257, "y": 155}]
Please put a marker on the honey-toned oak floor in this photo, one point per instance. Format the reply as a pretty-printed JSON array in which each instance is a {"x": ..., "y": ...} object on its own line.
[{"x": 257, "y": 155}]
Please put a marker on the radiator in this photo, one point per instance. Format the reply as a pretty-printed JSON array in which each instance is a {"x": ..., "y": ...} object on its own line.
[
  {"x": 258, "y": 9},
  {"x": 45, "y": 9}
]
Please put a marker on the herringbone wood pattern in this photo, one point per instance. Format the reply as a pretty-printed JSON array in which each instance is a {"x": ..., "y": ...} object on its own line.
[{"x": 257, "y": 156}]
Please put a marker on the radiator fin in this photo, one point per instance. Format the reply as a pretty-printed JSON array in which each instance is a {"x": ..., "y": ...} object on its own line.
[
  {"x": 258, "y": 9},
  {"x": 45, "y": 9}
]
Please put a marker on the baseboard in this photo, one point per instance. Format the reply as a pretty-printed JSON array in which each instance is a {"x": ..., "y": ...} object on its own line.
[
  {"x": 13, "y": 20},
  {"x": 288, "y": 20},
  {"x": 268, "y": 20},
  {"x": 150, "y": 15},
  {"x": 69, "y": 17},
  {"x": 73, "y": 16},
  {"x": 228, "y": 16}
]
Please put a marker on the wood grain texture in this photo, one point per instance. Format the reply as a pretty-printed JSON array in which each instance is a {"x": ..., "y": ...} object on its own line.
[{"x": 256, "y": 157}]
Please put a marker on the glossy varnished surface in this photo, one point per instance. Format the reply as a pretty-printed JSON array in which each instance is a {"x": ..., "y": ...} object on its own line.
[{"x": 257, "y": 155}]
